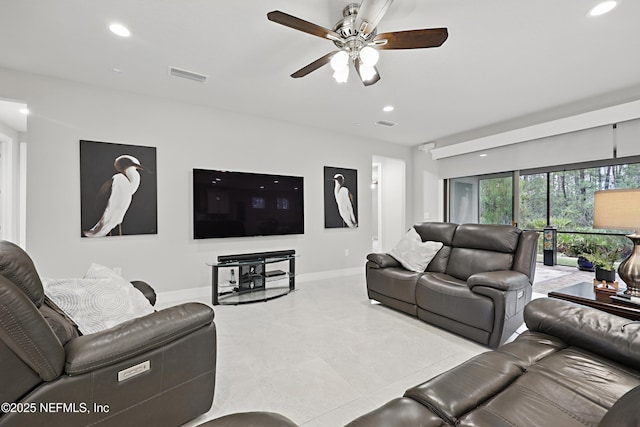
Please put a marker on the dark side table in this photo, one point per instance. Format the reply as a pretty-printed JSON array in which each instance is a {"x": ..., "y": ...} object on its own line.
[{"x": 584, "y": 294}]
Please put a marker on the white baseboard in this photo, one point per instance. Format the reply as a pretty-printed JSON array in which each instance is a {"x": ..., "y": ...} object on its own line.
[
  {"x": 331, "y": 274},
  {"x": 205, "y": 291}
]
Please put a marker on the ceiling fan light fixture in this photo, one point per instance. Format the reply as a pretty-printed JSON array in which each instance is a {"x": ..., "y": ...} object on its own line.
[
  {"x": 119, "y": 30},
  {"x": 369, "y": 56},
  {"x": 603, "y": 7},
  {"x": 367, "y": 72},
  {"x": 342, "y": 75},
  {"x": 339, "y": 61}
]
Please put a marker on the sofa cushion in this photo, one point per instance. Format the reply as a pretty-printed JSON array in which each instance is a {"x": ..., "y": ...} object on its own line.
[
  {"x": 437, "y": 232},
  {"x": 60, "y": 324},
  {"x": 490, "y": 237},
  {"x": 571, "y": 387},
  {"x": 470, "y": 384},
  {"x": 26, "y": 332},
  {"x": 450, "y": 297},
  {"x": 413, "y": 253},
  {"x": 585, "y": 327},
  {"x": 17, "y": 266},
  {"x": 465, "y": 262}
]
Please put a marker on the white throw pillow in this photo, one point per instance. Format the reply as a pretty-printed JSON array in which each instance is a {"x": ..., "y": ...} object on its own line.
[
  {"x": 97, "y": 303},
  {"x": 413, "y": 253}
]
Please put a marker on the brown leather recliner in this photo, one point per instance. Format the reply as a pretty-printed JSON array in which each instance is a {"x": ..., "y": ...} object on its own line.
[
  {"x": 157, "y": 370},
  {"x": 477, "y": 285}
]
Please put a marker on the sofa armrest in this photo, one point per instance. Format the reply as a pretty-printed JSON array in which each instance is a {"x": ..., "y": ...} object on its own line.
[
  {"x": 383, "y": 260},
  {"x": 504, "y": 280},
  {"x": 623, "y": 413},
  {"x": 134, "y": 337},
  {"x": 146, "y": 290},
  {"x": 585, "y": 327},
  {"x": 400, "y": 412}
]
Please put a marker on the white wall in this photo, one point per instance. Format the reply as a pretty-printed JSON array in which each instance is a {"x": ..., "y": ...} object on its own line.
[
  {"x": 186, "y": 136},
  {"x": 10, "y": 140},
  {"x": 428, "y": 191}
]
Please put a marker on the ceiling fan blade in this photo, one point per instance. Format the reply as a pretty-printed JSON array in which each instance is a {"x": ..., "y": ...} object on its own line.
[
  {"x": 370, "y": 14},
  {"x": 411, "y": 39},
  {"x": 302, "y": 25},
  {"x": 373, "y": 80},
  {"x": 314, "y": 65}
]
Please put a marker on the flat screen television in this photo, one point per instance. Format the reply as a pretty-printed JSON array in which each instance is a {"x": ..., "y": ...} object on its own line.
[{"x": 239, "y": 204}]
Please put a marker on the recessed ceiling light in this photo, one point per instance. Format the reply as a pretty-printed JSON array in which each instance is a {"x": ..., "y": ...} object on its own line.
[
  {"x": 116, "y": 70},
  {"x": 388, "y": 108},
  {"x": 24, "y": 111},
  {"x": 602, "y": 8},
  {"x": 483, "y": 155},
  {"x": 120, "y": 30}
]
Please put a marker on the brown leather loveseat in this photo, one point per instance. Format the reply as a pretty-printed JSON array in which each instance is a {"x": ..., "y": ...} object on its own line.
[
  {"x": 477, "y": 284},
  {"x": 576, "y": 366},
  {"x": 156, "y": 370}
]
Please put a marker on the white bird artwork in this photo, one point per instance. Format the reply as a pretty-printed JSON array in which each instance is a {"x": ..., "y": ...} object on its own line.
[
  {"x": 345, "y": 201},
  {"x": 119, "y": 191}
]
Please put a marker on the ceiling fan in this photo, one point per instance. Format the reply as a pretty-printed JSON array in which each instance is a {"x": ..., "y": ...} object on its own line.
[{"x": 357, "y": 40}]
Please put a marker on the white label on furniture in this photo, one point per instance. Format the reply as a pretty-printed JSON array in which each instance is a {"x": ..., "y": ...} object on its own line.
[{"x": 131, "y": 372}]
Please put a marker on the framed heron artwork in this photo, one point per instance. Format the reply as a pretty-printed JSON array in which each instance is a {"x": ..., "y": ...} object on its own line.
[
  {"x": 340, "y": 197},
  {"x": 118, "y": 189}
]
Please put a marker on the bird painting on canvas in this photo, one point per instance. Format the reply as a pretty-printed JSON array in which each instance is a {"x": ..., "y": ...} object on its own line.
[
  {"x": 118, "y": 191},
  {"x": 345, "y": 201}
]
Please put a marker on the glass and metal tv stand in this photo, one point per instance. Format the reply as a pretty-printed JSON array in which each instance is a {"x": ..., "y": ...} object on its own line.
[{"x": 258, "y": 277}]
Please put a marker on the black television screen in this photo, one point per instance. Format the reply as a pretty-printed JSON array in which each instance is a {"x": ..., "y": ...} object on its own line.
[{"x": 238, "y": 204}]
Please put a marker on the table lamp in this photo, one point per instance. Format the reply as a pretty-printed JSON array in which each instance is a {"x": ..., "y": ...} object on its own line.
[{"x": 620, "y": 210}]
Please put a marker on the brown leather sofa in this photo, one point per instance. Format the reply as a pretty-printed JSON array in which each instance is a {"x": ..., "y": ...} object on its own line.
[
  {"x": 576, "y": 366},
  {"x": 477, "y": 285},
  {"x": 51, "y": 375}
]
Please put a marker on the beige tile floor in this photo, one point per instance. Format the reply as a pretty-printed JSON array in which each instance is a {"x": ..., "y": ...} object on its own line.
[{"x": 325, "y": 354}]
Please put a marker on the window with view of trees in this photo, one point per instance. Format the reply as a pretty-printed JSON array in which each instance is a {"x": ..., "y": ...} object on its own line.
[
  {"x": 496, "y": 200},
  {"x": 559, "y": 198},
  {"x": 571, "y": 195}
]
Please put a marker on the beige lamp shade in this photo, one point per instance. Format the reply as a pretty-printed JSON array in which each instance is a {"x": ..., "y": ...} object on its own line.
[{"x": 617, "y": 209}]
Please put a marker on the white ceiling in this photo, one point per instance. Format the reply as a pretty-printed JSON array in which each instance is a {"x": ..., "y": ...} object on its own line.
[{"x": 506, "y": 63}]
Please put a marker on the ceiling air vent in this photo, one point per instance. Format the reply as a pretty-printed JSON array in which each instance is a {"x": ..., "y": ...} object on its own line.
[
  {"x": 190, "y": 75},
  {"x": 386, "y": 123}
]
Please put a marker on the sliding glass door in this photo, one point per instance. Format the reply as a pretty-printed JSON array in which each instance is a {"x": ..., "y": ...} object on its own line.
[
  {"x": 496, "y": 200},
  {"x": 482, "y": 199}
]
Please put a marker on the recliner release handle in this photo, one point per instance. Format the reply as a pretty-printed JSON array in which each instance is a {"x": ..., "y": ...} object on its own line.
[{"x": 133, "y": 371}]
